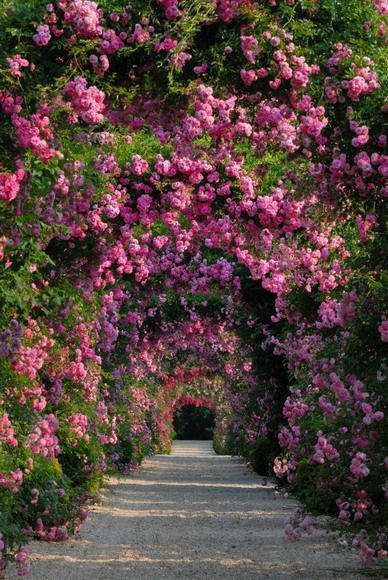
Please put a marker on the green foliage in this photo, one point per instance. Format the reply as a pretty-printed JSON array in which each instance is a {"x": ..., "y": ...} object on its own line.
[
  {"x": 192, "y": 422},
  {"x": 261, "y": 455},
  {"x": 305, "y": 488},
  {"x": 82, "y": 463},
  {"x": 58, "y": 496}
]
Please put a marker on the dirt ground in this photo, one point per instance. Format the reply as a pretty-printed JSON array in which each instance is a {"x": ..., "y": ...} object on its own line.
[{"x": 192, "y": 515}]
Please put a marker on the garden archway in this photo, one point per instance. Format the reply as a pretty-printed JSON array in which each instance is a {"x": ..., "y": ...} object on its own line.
[
  {"x": 165, "y": 222},
  {"x": 194, "y": 420}
]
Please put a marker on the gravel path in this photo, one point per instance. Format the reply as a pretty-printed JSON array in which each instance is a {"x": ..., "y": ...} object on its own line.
[{"x": 191, "y": 515}]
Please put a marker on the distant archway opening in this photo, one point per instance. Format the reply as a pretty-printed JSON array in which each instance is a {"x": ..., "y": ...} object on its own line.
[{"x": 194, "y": 422}]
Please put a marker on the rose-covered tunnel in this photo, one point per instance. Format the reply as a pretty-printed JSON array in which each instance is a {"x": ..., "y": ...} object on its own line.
[{"x": 192, "y": 209}]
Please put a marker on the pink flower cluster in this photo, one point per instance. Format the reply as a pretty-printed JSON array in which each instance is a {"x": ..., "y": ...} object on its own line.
[
  {"x": 16, "y": 63},
  {"x": 359, "y": 466},
  {"x": 110, "y": 43},
  {"x": 293, "y": 530},
  {"x": 3, "y": 243},
  {"x": 84, "y": 16},
  {"x": 42, "y": 440},
  {"x": 365, "y": 227},
  {"x": 171, "y": 9},
  {"x": 10, "y": 184},
  {"x": 7, "y": 434},
  {"x": 364, "y": 83},
  {"x": 100, "y": 63},
  {"x": 324, "y": 450},
  {"x": 383, "y": 330},
  {"x": 250, "y": 48},
  {"x": 54, "y": 534},
  {"x": 13, "y": 481},
  {"x": 79, "y": 425},
  {"x": 33, "y": 352},
  {"x": 43, "y": 35},
  {"x": 228, "y": 9},
  {"x": 35, "y": 134},
  {"x": 381, "y": 6},
  {"x": 88, "y": 103},
  {"x": 23, "y": 562},
  {"x": 333, "y": 313}
]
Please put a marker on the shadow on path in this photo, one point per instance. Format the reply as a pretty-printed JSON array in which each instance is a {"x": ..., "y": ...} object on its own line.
[{"x": 192, "y": 515}]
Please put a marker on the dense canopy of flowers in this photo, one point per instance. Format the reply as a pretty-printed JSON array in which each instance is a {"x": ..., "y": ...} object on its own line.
[{"x": 192, "y": 210}]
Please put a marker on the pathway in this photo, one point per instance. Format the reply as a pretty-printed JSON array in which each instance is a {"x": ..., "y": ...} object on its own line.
[{"x": 191, "y": 515}]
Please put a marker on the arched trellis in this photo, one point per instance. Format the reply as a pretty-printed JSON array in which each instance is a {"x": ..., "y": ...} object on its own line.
[
  {"x": 194, "y": 417},
  {"x": 195, "y": 402},
  {"x": 126, "y": 245}
]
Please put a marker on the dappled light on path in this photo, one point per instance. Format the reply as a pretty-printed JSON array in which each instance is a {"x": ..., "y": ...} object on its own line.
[
  {"x": 193, "y": 448},
  {"x": 192, "y": 514}
]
